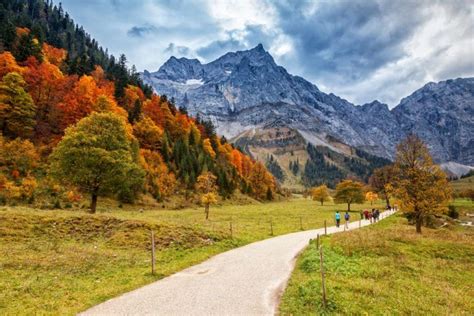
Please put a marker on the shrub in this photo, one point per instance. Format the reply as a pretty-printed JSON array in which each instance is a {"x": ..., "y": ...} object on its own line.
[{"x": 453, "y": 212}]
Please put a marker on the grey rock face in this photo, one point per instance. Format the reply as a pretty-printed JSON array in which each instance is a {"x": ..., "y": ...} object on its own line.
[
  {"x": 245, "y": 90},
  {"x": 443, "y": 115}
]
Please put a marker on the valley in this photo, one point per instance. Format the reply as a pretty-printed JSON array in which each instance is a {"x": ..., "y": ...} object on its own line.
[
  {"x": 64, "y": 261},
  {"x": 195, "y": 189}
]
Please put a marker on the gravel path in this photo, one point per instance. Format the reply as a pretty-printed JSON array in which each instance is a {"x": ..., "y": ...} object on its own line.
[{"x": 244, "y": 281}]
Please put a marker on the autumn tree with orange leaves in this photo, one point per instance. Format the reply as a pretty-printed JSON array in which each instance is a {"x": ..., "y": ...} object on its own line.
[{"x": 421, "y": 186}]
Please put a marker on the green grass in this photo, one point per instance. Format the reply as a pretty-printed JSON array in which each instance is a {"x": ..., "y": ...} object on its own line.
[
  {"x": 64, "y": 261},
  {"x": 388, "y": 269},
  {"x": 462, "y": 184}
]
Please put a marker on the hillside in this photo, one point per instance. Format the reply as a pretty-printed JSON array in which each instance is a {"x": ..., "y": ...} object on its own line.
[
  {"x": 297, "y": 164},
  {"x": 247, "y": 90},
  {"x": 46, "y": 90}
]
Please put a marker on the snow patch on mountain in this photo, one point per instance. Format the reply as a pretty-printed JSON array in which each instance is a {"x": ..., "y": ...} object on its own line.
[{"x": 194, "y": 82}]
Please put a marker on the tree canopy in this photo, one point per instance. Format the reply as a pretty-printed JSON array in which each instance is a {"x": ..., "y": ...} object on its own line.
[
  {"x": 420, "y": 185},
  {"x": 99, "y": 156},
  {"x": 321, "y": 194},
  {"x": 349, "y": 191}
]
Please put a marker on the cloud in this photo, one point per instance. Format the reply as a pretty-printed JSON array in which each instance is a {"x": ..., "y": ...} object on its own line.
[
  {"x": 360, "y": 49},
  {"x": 141, "y": 31},
  {"x": 350, "y": 39},
  {"x": 174, "y": 49},
  {"x": 234, "y": 40}
]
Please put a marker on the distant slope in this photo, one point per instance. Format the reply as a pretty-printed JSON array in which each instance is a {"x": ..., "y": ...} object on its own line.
[
  {"x": 463, "y": 184},
  {"x": 295, "y": 162},
  {"x": 456, "y": 170}
]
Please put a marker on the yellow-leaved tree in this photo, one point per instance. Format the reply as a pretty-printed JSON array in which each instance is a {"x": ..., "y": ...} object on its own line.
[
  {"x": 371, "y": 197},
  {"x": 321, "y": 194},
  {"x": 206, "y": 185},
  {"x": 99, "y": 156},
  {"x": 421, "y": 186}
]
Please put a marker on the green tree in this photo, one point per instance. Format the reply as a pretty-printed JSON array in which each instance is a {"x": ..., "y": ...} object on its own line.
[
  {"x": 420, "y": 185},
  {"x": 321, "y": 194},
  {"x": 17, "y": 110},
  {"x": 349, "y": 192},
  {"x": 98, "y": 155}
]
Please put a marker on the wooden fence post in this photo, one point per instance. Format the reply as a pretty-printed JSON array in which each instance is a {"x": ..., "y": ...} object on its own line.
[
  {"x": 231, "y": 229},
  {"x": 271, "y": 226},
  {"x": 301, "y": 223},
  {"x": 323, "y": 280},
  {"x": 152, "y": 252},
  {"x": 325, "y": 228},
  {"x": 317, "y": 242}
]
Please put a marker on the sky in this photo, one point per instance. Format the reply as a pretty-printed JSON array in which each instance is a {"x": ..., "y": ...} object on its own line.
[{"x": 360, "y": 50}]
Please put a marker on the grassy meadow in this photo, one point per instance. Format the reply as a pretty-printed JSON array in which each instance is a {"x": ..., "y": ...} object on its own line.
[
  {"x": 64, "y": 261},
  {"x": 463, "y": 184},
  {"x": 388, "y": 269}
]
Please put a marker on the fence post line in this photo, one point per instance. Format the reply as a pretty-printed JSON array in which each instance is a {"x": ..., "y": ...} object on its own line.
[
  {"x": 301, "y": 223},
  {"x": 325, "y": 228},
  {"x": 152, "y": 252},
  {"x": 323, "y": 280}
]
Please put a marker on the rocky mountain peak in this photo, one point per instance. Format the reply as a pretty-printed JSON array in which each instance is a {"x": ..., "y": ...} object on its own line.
[
  {"x": 375, "y": 107},
  {"x": 246, "y": 90}
]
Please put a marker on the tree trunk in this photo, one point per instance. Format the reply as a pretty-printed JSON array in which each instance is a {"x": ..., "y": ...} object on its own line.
[
  {"x": 94, "y": 202},
  {"x": 419, "y": 221},
  {"x": 349, "y": 206},
  {"x": 321, "y": 202},
  {"x": 207, "y": 211},
  {"x": 387, "y": 200}
]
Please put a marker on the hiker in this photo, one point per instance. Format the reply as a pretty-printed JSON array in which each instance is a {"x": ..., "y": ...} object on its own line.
[
  {"x": 371, "y": 215},
  {"x": 366, "y": 214},
  {"x": 338, "y": 218},
  {"x": 362, "y": 214},
  {"x": 377, "y": 214},
  {"x": 347, "y": 217}
]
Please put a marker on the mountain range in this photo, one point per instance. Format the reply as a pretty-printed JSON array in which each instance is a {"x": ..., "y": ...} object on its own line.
[{"x": 257, "y": 104}]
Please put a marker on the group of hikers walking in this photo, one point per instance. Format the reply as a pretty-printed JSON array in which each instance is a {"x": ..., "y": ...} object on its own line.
[{"x": 371, "y": 215}]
